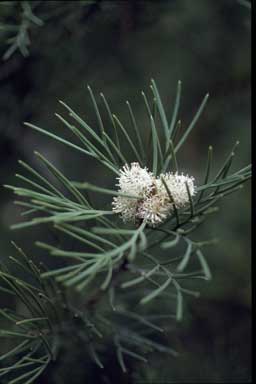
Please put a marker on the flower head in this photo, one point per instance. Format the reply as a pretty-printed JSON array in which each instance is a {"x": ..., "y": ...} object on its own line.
[
  {"x": 151, "y": 197},
  {"x": 177, "y": 186},
  {"x": 154, "y": 209},
  {"x": 135, "y": 180}
]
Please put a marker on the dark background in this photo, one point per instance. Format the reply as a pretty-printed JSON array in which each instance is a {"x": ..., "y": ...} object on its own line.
[{"x": 116, "y": 47}]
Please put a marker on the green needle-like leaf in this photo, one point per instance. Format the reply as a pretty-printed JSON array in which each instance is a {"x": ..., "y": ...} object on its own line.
[{"x": 192, "y": 124}]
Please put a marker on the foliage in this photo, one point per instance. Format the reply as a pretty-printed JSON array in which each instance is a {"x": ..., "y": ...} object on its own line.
[
  {"x": 20, "y": 18},
  {"x": 112, "y": 265},
  {"x": 34, "y": 331}
]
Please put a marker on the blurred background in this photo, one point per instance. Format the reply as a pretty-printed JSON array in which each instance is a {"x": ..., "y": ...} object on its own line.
[{"x": 117, "y": 47}]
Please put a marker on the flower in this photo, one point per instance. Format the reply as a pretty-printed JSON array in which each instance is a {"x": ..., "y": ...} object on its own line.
[
  {"x": 135, "y": 180},
  {"x": 126, "y": 207},
  {"x": 154, "y": 209},
  {"x": 151, "y": 196},
  {"x": 177, "y": 186}
]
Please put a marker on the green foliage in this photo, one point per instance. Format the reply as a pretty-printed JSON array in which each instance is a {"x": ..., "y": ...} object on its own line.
[
  {"x": 18, "y": 34},
  {"x": 19, "y": 19},
  {"x": 110, "y": 259},
  {"x": 34, "y": 331}
]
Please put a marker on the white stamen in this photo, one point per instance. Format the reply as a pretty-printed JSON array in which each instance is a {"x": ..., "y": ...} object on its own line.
[{"x": 153, "y": 202}]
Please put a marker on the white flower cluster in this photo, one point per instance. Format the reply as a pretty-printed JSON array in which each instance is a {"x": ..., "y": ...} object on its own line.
[{"x": 151, "y": 201}]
